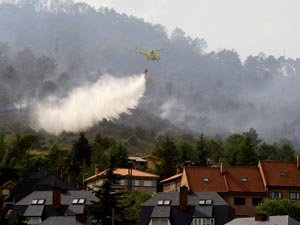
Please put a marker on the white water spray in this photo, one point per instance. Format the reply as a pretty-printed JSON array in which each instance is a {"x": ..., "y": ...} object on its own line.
[{"x": 106, "y": 99}]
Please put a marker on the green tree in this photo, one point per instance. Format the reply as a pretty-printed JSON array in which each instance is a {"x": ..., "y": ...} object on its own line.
[
  {"x": 165, "y": 149},
  {"x": 231, "y": 148},
  {"x": 267, "y": 151},
  {"x": 131, "y": 203},
  {"x": 246, "y": 155},
  {"x": 100, "y": 151},
  {"x": 102, "y": 211},
  {"x": 273, "y": 207},
  {"x": 201, "y": 151},
  {"x": 185, "y": 151},
  {"x": 81, "y": 150},
  {"x": 118, "y": 156}
]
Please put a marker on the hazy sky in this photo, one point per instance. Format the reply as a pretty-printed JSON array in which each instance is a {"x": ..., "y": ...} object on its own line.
[{"x": 248, "y": 26}]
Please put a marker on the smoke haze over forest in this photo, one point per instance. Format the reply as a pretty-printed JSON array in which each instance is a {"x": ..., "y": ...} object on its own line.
[{"x": 46, "y": 50}]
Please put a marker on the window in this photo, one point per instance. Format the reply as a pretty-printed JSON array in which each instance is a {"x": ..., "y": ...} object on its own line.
[
  {"x": 164, "y": 202},
  {"x": 239, "y": 201},
  {"x": 294, "y": 195},
  {"x": 81, "y": 201},
  {"x": 136, "y": 183},
  {"x": 208, "y": 202},
  {"x": 41, "y": 202},
  {"x": 282, "y": 173},
  {"x": 202, "y": 202},
  {"x": 34, "y": 202},
  {"x": 203, "y": 221},
  {"x": 206, "y": 179},
  {"x": 122, "y": 182},
  {"x": 167, "y": 202},
  {"x": 244, "y": 179},
  {"x": 78, "y": 201},
  {"x": 276, "y": 194},
  {"x": 256, "y": 201},
  {"x": 148, "y": 183},
  {"x": 38, "y": 202},
  {"x": 160, "y": 202},
  {"x": 159, "y": 221}
]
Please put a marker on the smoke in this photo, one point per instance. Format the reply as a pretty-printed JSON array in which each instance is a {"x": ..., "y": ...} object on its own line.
[{"x": 106, "y": 99}]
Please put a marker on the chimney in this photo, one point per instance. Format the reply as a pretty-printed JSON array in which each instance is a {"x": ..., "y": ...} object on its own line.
[
  {"x": 97, "y": 170},
  {"x": 222, "y": 169},
  {"x": 261, "y": 217},
  {"x": 56, "y": 196},
  {"x": 298, "y": 161},
  {"x": 183, "y": 198}
]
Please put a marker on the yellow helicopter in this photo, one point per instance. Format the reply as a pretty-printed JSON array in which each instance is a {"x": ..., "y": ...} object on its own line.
[{"x": 151, "y": 54}]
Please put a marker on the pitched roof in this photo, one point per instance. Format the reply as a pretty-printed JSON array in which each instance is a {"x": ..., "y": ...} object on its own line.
[
  {"x": 59, "y": 220},
  {"x": 66, "y": 197},
  {"x": 124, "y": 172},
  {"x": 244, "y": 179},
  {"x": 279, "y": 173},
  {"x": 193, "y": 198},
  {"x": 205, "y": 179},
  {"x": 176, "y": 176},
  {"x": 272, "y": 220},
  {"x": 37, "y": 181}
]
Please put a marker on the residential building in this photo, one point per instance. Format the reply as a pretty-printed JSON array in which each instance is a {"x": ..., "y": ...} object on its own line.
[
  {"x": 152, "y": 162},
  {"x": 264, "y": 220},
  {"x": 40, "y": 180},
  {"x": 53, "y": 207},
  {"x": 281, "y": 179},
  {"x": 185, "y": 207},
  {"x": 131, "y": 179},
  {"x": 243, "y": 188}
]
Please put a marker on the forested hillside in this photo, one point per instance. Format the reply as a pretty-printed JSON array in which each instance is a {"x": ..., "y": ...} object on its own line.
[{"x": 45, "y": 52}]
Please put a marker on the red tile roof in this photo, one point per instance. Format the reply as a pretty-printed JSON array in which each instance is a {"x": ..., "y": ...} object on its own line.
[
  {"x": 279, "y": 173},
  {"x": 210, "y": 179},
  {"x": 244, "y": 179},
  {"x": 205, "y": 179}
]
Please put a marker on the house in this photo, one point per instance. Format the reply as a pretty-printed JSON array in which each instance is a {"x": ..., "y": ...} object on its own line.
[
  {"x": 131, "y": 179},
  {"x": 185, "y": 207},
  {"x": 152, "y": 162},
  {"x": 264, "y": 220},
  {"x": 138, "y": 162},
  {"x": 37, "y": 181},
  {"x": 53, "y": 207},
  {"x": 281, "y": 179},
  {"x": 243, "y": 188}
]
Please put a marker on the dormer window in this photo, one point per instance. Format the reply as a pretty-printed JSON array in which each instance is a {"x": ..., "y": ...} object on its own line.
[
  {"x": 38, "y": 202},
  {"x": 160, "y": 202},
  {"x": 34, "y": 202},
  {"x": 244, "y": 180},
  {"x": 202, "y": 202},
  {"x": 167, "y": 202},
  {"x": 41, "y": 202},
  {"x": 208, "y": 202},
  {"x": 78, "y": 201},
  {"x": 282, "y": 173},
  {"x": 81, "y": 201},
  {"x": 164, "y": 202},
  {"x": 206, "y": 179}
]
